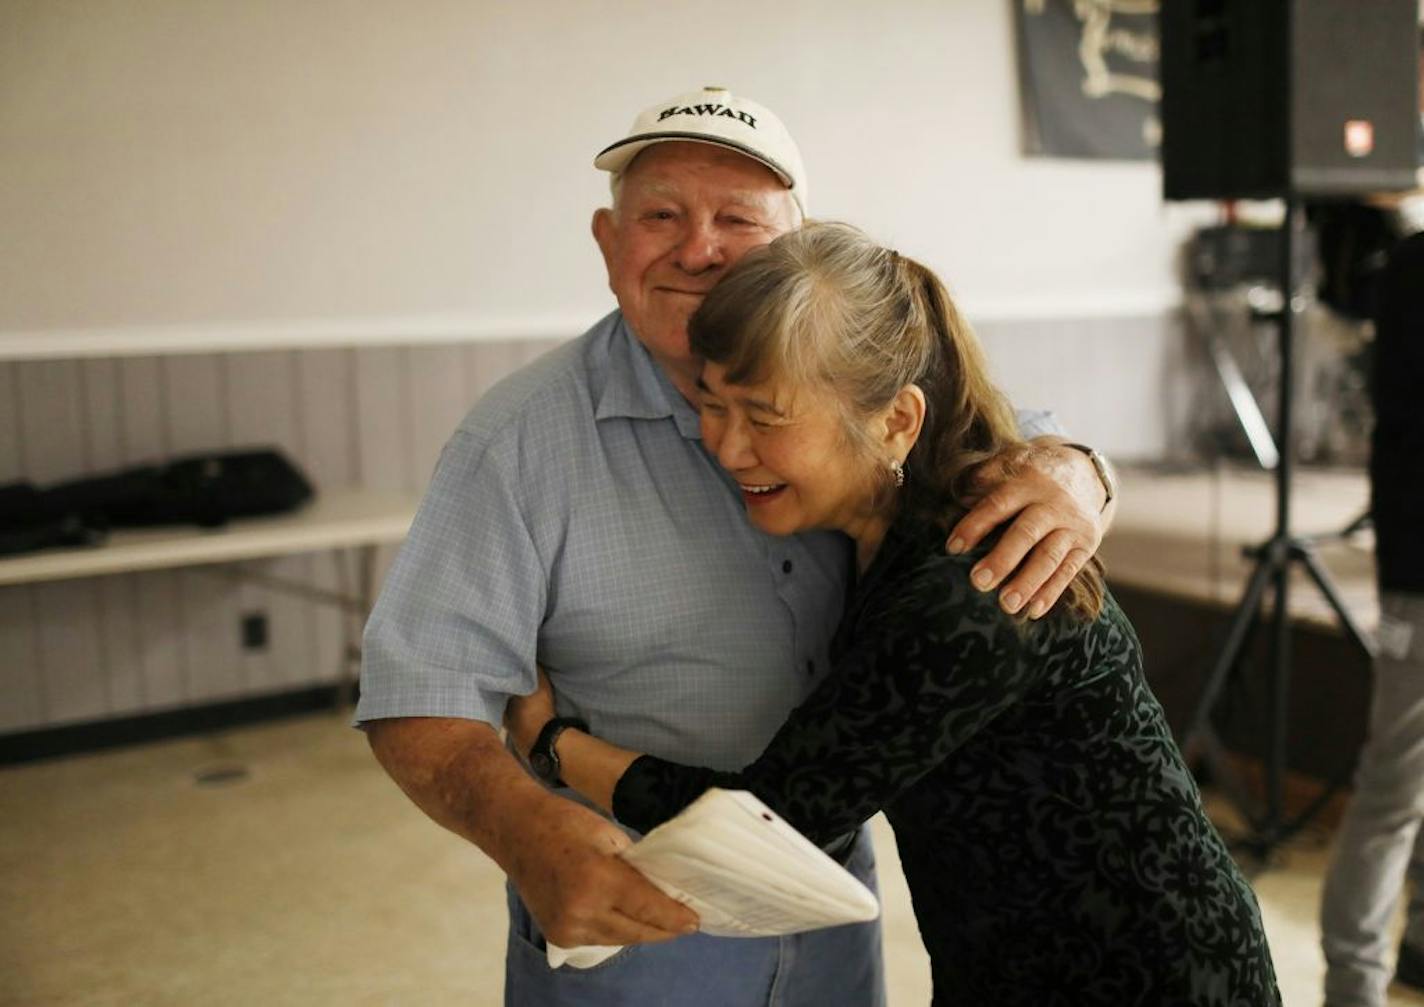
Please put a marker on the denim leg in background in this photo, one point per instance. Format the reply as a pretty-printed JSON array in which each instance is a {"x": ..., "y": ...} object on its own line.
[
  {"x": 1379, "y": 836},
  {"x": 1414, "y": 918}
]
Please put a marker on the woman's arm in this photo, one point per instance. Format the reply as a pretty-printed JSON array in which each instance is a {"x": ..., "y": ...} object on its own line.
[
  {"x": 924, "y": 676},
  {"x": 838, "y": 759},
  {"x": 595, "y": 768},
  {"x": 935, "y": 665},
  {"x": 590, "y": 766}
]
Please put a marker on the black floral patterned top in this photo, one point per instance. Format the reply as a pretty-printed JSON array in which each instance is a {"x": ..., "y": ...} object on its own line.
[{"x": 1053, "y": 839}]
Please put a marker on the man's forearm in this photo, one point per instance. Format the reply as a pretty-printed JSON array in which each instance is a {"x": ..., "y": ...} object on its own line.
[
  {"x": 460, "y": 774},
  {"x": 562, "y": 857}
]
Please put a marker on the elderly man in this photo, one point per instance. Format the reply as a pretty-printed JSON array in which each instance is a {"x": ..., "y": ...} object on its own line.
[{"x": 575, "y": 520}]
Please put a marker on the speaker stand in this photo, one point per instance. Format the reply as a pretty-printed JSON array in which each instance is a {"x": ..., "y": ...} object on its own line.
[{"x": 1268, "y": 823}]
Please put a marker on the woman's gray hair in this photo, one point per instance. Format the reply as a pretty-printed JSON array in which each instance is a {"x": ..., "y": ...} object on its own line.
[{"x": 822, "y": 306}]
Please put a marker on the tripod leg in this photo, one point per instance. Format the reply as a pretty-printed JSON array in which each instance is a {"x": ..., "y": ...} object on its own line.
[
  {"x": 1236, "y": 634},
  {"x": 1281, "y": 831},
  {"x": 1200, "y": 733},
  {"x": 1322, "y": 579},
  {"x": 1358, "y": 525},
  {"x": 1280, "y": 702}
]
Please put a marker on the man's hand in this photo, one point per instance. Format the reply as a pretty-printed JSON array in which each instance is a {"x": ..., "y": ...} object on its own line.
[
  {"x": 1055, "y": 499},
  {"x": 580, "y": 892},
  {"x": 561, "y": 857}
]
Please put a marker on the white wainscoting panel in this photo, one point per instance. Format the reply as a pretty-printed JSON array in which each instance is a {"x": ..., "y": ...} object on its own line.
[{"x": 1118, "y": 383}]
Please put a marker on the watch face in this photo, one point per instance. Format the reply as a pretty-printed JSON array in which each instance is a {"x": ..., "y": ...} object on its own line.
[{"x": 542, "y": 765}]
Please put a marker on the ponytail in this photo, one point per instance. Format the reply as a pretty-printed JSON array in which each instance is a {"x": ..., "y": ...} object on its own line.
[{"x": 968, "y": 421}]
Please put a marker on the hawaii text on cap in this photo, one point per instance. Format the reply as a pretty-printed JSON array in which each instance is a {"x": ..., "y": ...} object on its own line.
[{"x": 714, "y": 115}]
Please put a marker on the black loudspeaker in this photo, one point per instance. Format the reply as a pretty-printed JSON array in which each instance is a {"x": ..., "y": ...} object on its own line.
[{"x": 1264, "y": 98}]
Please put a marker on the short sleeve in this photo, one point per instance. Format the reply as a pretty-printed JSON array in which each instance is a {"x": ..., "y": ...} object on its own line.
[
  {"x": 1038, "y": 423},
  {"x": 455, "y": 630}
]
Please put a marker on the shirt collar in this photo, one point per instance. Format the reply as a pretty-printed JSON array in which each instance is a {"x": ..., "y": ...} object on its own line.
[{"x": 636, "y": 387}]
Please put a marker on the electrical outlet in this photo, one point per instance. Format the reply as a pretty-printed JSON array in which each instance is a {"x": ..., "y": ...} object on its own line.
[{"x": 254, "y": 631}]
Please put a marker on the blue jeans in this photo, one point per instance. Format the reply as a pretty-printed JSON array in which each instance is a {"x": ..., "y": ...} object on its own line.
[{"x": 838, "y": 965}]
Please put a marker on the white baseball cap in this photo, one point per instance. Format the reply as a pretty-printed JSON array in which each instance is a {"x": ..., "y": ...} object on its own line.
[{"x": 714, "y": 115}]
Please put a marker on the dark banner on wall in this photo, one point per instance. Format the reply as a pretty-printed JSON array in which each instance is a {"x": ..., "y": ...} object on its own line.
[{"x": 1088, "y": 78}]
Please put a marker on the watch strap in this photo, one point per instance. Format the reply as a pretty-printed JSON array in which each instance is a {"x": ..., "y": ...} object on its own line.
[
  {"x": 543, "y": 758},
  {"x": 1100, "y": 466}
]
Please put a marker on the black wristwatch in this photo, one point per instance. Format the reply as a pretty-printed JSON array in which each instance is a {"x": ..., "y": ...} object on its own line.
[
  {"x": 1100, "y": 466},
  {"x": 542, "y": 757}
]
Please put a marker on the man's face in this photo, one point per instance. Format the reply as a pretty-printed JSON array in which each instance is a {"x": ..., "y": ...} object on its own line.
[{"x": 686, "y": 213}]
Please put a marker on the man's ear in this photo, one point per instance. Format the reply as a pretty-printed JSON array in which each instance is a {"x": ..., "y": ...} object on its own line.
[
  {"x": 903, "y": 419},
  {"x": 604, "y": 230}
]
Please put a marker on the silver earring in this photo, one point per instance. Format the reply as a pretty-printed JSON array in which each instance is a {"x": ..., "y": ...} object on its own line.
[{"x": 898, "y": 470}]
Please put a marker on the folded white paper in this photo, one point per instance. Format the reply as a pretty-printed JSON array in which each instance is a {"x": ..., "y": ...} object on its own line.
[{"x": 744, "y": 871}]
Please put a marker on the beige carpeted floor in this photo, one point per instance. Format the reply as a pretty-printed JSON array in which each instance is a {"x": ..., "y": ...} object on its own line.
[{"x": 278, "y": 865}]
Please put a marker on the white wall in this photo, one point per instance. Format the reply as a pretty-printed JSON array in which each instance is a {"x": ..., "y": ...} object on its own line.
[{"x": 212, "y": 161}]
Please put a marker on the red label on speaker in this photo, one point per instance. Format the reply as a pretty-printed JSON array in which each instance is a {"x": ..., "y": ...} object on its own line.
[{"x": 1359, "y": 137}]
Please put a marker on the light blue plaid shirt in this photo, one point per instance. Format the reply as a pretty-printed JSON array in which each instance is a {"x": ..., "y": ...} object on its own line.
[{"x": 575, "y": 520}]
